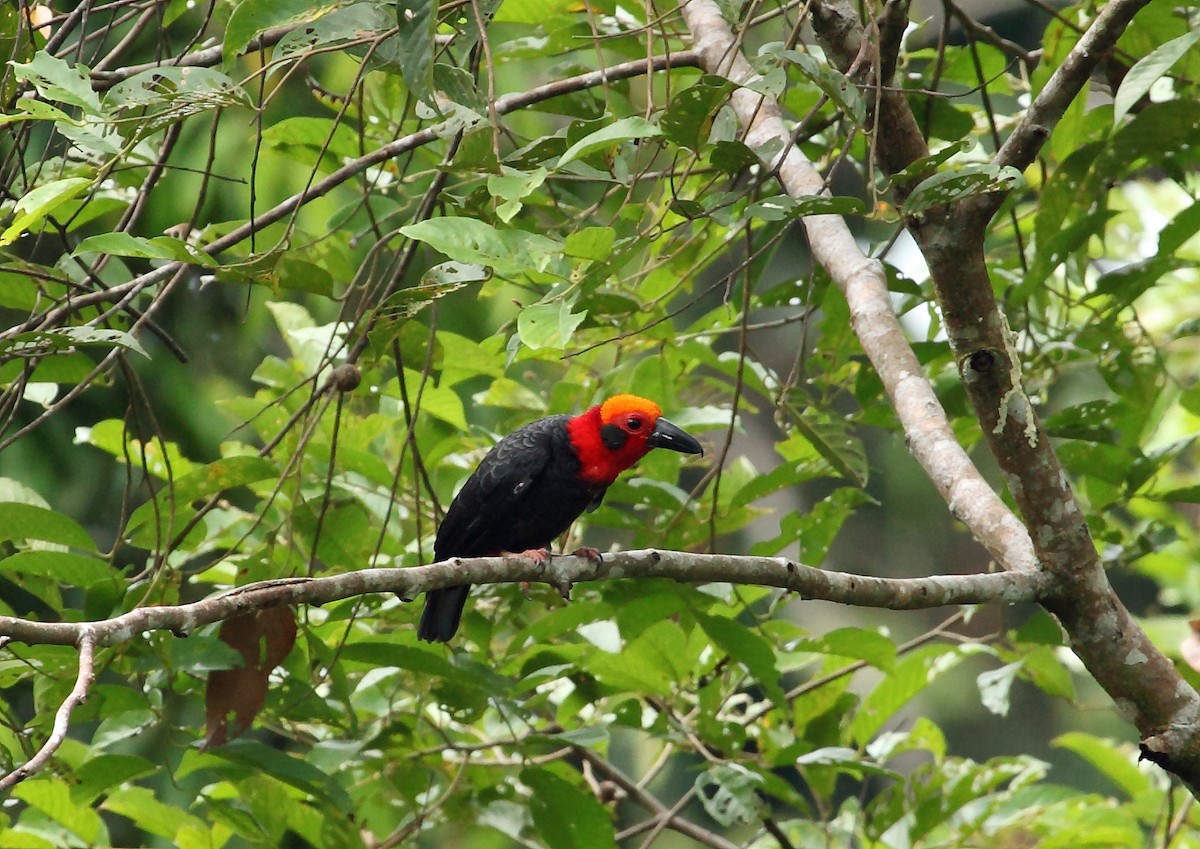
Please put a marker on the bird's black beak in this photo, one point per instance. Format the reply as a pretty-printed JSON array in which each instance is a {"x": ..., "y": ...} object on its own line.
[{"x": 667, "y": 435}]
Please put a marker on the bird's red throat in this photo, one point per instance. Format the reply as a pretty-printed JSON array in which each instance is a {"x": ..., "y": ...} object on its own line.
[{"x": 600, "y": 465}]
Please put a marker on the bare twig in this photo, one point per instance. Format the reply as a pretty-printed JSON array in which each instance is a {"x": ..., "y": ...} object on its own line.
[
  {"x": 651, "y": 803},
  {"x": 62, "y": 719}
]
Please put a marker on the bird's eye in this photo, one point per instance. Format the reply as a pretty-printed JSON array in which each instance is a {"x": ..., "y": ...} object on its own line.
[{"x": 633, "y": 423}]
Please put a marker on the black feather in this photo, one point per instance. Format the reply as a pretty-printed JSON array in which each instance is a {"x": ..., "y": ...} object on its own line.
[{"x": 525, "y": 493}]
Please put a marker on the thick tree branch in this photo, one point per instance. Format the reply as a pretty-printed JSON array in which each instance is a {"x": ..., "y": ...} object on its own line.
[
  {"x": 62, "y": 719},
  {"x": 1068, "y": 79},
  {"x": 562, "y": 571},
  {"x": 863, "y": 282},
  {"x": 1142, "y": 681}
]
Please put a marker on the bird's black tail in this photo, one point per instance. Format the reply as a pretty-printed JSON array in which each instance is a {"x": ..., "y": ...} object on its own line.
[{"x": 443, "y": 610}]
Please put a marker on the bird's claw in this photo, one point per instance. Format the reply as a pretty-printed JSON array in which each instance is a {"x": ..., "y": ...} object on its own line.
[{"x": 592, "y": 555}]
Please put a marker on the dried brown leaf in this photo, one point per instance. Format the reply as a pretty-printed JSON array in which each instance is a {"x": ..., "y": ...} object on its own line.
[{"x": 263, "y": 638}]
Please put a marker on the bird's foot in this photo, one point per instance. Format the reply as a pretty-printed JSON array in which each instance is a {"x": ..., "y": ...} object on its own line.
[
  {"x": 592, "y": 555},
  {"x": 538, "y": 555}
]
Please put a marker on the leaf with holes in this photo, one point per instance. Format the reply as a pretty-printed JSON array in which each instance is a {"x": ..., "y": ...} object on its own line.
[
  {"x": 969, "y": 181},
  {"x": 729, "y": 793}
]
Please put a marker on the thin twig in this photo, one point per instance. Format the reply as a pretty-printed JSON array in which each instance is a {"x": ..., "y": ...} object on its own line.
[{"x": 62, "y": 719}]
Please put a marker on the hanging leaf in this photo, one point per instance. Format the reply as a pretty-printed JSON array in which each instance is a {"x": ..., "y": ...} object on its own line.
[
  {"x": 729, "y": 793},
  {"x": 417, "y": 23},
  {"x": 264, "y": 638},
  {"x": 1148, "y": 70}
]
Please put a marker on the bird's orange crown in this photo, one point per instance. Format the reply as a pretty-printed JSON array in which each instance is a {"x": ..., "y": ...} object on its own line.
[{"x": 623, "y": 405}]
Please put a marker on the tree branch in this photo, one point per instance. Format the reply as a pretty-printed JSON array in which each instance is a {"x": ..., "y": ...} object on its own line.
[
  {"x": 1141, "y": 680},
  {"x": 864, "y": 285},
  {"x": 561, "y": 571},
  {"x": 62, "y": 719},
  {"x": 647, "y": 800},
  {"x": 1068, "y": 79}
]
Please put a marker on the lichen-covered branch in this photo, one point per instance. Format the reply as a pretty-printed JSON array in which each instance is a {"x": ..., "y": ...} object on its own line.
[
  {"x": 862, "y": 281},
  {"x": 1141, "y": 680},
  {"x": 561, "y": 571}
]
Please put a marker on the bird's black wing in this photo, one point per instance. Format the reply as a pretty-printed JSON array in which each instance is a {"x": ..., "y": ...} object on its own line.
[
  {"x": 480, "y": 518},
  {"x": 487, "y": 514}
]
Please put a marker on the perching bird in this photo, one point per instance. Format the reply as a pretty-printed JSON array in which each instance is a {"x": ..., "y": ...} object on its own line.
[{"x": 535, "y": 482}]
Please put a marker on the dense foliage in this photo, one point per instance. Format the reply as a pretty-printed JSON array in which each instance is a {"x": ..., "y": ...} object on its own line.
[{"x": 210, "y": 207}]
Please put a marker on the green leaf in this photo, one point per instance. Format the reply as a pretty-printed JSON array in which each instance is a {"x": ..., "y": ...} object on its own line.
[
  {"x": 62, "y": 567},
  {"x": 729, "y": 793},
  {"x": 844, "y": 759},
  {"x": 835, "y": 441},
  {"x": 1041, "y": 666},
  {"x": 1179, "y": 229},
  {"x": 565, "y": 816},
  {"x": 594, "y": 243},
  {"x": 417, "y": 23},
  {"x": 251, "y": 17},
  {"x": 832, "y": 82},
  {"x": 57, "y": 81},
  {"x": 859, "y": 643},
  {"x": 909, "y": 677},
  {"x": 28, "y": 521},
  {"x": 1147, "y": 71},
  {"x": 101, "y": 772},
  {"x": 648, "y": 664},
  {"x": 513, "y": 185},
  {"x": 931, "y": 162},
  {"x": 65, "y": 339},
  {"x": 947, "y": 187},
  {"x": 176, "y": 93},
  {"x": 532, "y": 11},
  {"x": 345, "y": 24},
  {"x": 747, "y": 648},
  {"x": 36, "y": 110},
  {"x": 785, "y": 208},
  {"x": 1117, "y": 763},
  {"x": 33, "y": 207},
  {"x": 1128, "y": 283},
  {"x": 140, "y": 806},
  {"x": 159, "y": 247},
  {"x": 52, "y": 797},
  {"x": 437, "y": 282},
  {"x": 626, "y": 129},
  {"x": 222, "y": 475},
  {"x": 688, "y": 119},
  {"x": 473, "y": 241},
  {"x": 733, "y": 157},
  {"x": 548, "y": 325},
  {"x": 287, "y": 768}
]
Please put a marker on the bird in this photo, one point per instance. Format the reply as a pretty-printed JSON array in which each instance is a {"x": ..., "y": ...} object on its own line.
[{"x": 535, "y": 482}]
